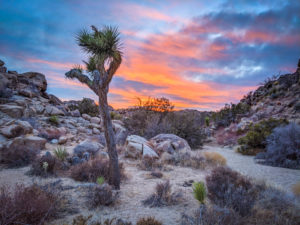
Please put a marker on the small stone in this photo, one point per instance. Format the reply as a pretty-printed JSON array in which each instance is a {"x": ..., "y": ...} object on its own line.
[
  {"x": 96, "y": 131},
  {"x": 54, "y": 141},
  {"x": 95, "y": 120},
  {"x": 86, "y": 117},
  {"x": 62, "y": 140}
]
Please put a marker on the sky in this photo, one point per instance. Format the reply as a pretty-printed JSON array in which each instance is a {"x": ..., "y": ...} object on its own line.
[{"x": 199, "y": 54}]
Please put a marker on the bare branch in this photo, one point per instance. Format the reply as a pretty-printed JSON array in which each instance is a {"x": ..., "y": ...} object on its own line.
[{"x": 76, "y": 74}]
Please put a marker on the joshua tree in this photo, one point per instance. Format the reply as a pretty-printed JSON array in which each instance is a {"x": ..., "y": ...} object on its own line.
[{"x": 105, "y": 57}]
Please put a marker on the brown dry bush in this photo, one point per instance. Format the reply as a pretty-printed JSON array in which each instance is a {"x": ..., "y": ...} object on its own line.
[
  {"x": 163, "y": 196},
  {"x": 212, "y": 215},
  {"x": 17, "y": 157},
  {"x": 185, "y": 159},
  {"x": 214, "y": 159},
  {"x": 148, "y": 221},
  {"x": 44, "y": 166},
  {"x": 296, "y": 189},
  {"x": 150, "y": 163},
  {"x": 28, "y": 205},
  {"x": 89, "y": 171},
  {"x": 85, "y": 220},
  {"x": 101, "y": 195},
  {"x": 274, "y": 207},
  {"x": 227, "y": 188}
]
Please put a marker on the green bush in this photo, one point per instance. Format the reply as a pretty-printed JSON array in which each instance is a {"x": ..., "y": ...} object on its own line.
[
  {"x": 100, "y": 180},
  {"x": 199, "y": 191},
  {"x": 53, "y": 120},
  {"x": 207, "y": 121},
  {"x": 115, "y": 116},
  {"x": 229, "y": 113},
  {"x": 255, "y": 139},
  {"x": 88, "y": 106}
]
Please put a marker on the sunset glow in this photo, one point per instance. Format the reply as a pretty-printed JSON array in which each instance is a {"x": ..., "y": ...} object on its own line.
[{"x": 198, "y": 54}]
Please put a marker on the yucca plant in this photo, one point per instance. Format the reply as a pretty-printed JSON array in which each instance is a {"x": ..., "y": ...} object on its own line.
[
  {"x": 100, "y": 180},
  {"x": 199, "y": 191},
  {"x": 61, "y": 153},
  {"x": 105, "y": 57}
]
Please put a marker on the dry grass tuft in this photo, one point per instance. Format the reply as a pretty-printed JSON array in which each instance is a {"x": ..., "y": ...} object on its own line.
[
  {"x": 148, "y": 221},
  {"x": 215, "y": 159},
  {"x": 163, "y": 196},
  {"x": 296, "y": 189}
]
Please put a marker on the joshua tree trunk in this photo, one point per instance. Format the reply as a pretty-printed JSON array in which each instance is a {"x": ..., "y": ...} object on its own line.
[{"x": 110, "y": 140}]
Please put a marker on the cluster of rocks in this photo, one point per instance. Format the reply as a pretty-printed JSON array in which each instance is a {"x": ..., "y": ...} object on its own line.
[
  {"x": 34, "y": 119},
  {"x": 162, "y": 144},
  {"x": 25, "y": 118}
]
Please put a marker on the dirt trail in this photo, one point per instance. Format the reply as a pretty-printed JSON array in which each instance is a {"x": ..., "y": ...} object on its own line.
[{"x": 281, "y": 178}]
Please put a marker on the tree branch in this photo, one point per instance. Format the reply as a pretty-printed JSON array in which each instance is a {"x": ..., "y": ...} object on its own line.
[{"x": 76, "y": 74}]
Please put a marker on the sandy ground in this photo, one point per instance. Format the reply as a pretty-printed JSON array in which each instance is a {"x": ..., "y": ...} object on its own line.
[
  {"x": 281, "y": 178},
  {"x": 139, "y": 186}
]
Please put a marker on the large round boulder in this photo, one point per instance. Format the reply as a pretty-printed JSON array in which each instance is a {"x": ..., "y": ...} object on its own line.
[
  {"x": 89, "y": 146},
  {"x": 170, "y": 143}
]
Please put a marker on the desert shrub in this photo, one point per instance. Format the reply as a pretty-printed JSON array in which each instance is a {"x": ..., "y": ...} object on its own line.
[
  {"x": 61, "y": 153},
  {"x": 115, "y": 116},
  {"x": 148, "y": 221},
  {"x": 212, "y": 215},
  {"x": 274, "y": 207},
  {"x": 189, "y": 126},
  {"x": 100, "y": 180},
  {"x": 214, "y": 158},
  {"x": 90, "y": 171},
  {"x": 185, "y": 159},
  {"x": 101, "y": 195},
  {"x": 207, "y": 121},
  {"x": 54, "y": 120},
  {"x": 229, "y": 113},
  {"x": 150, "y": 163},
  {"x": 162, "y": 196},
  {"x": 17, "y": 157},
  {"x": 88, "y": 106},
  {"x": 85, "y": 220},
  {"x": 151, "y": 119},
  {"x": 255, "y": 139},
  {"x": 283, "y": 147},
  {"x": 227, "y": 188},
  {"x": 28, "y": 205},
  {"x": 296, "y": 189},
  {"x": 155, "y": 104},
  {"x": 199, "y": 191},
  {"x": 43, "y": 166}
]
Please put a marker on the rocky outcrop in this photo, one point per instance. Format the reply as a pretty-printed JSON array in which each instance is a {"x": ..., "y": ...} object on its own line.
[
  {"x": 13, "y": 111},
  {"x": 87, "y": 146},
  {"x": 15, "y": 129},
  {"x": 27, "y": 143},
  {"x": 137, "y": 146},
  {"x": 53, "y": 111},
  {"x": 169, "y": 143}
]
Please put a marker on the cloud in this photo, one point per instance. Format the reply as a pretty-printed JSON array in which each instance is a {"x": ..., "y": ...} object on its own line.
[{"x": 198, "y": 55}]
